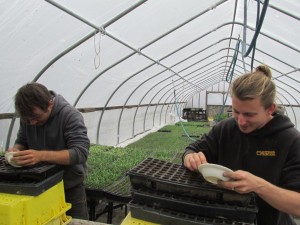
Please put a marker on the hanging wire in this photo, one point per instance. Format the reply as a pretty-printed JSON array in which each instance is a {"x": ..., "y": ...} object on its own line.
[
  {"x": 244, "y": 35},
  {"x": 177, "y": 112},
  {"x": 229, "y": 76},
  {"x": 254, "y": 45},
  {"x": 97, "y": 47},
  {"x": 258, "y": 26},
  {"x": 244, "y": 29}
]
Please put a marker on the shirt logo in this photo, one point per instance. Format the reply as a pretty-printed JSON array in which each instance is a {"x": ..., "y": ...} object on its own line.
[{"x": 266, "y": 153}]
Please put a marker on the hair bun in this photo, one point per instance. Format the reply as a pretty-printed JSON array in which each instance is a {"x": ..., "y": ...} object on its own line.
[{"x": 265, "y": 70}]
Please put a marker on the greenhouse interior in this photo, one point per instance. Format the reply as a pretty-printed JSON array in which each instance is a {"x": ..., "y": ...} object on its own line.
[{"x": 154, "y": 86}]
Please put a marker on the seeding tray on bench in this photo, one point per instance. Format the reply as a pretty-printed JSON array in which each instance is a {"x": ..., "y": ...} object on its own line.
[
  {"x": 194, "y": 206},
  {"x": 166, "y": 216},
  {"x": 167, "y": 177},
  {"x": 28, "y": 180}
]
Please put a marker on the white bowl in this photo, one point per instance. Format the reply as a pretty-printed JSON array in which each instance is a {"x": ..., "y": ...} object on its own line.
[
  {"x": 8, "y": 156},
  {"x": 213, "y": 172}
]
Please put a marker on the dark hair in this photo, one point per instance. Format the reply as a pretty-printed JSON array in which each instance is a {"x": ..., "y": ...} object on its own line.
[
  {"x": 29, "y": 96},
  {"x": 255, "y": 84}
]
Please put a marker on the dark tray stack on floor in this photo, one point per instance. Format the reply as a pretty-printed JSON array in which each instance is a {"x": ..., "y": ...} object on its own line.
[
  {"x": 168, "y": 193},
  {"x": 28, "y": 180}
]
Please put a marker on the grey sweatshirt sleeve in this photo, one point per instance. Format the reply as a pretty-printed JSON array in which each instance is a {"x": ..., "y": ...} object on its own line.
[{"x": 76, "y": 138}]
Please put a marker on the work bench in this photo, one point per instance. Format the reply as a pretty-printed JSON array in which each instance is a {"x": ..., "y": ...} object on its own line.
[{"x": 115, "y": 195}]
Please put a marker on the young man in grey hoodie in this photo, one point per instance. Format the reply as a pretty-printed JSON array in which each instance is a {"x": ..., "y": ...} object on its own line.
[{"x": 53, "y": 131}]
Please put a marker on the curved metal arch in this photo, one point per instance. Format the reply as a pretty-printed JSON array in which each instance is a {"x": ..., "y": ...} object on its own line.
[
  {"x": 184, "y": 98},
  {"x": 286, "y": 75},
  {"x": 139, "y": 51},
  {"x": 281, "y": 42},
  {"x": 283, "y": 11},
  {"x": 139, "y": 103},
  {"x": 295, "y": 118},
  {"x": 150, "y": 101},
  {"x": 123, "y": 43},
  {"x": 182, "y": 93},
  {"x": 180, "y": 99},
  {"x": 179, "y": 95},
  {"x": 292, "y": 108},
  {"x": 171, "y": 93},
  {"x": 211, "y": 81},
  {"x": 208, "y": 77},
  {"x": 94, "y": 79},
  {"x": 157, "y": 75},
  {"x": 288, "y": 101},
  {"x": 70, "y": 48},
  {"x": 128, "y": 57},
  {"x": 153, "y": 77},
  {"x": 153, "y": 42},
  {"x": 90, "y": 24},
  {"x": 176, "y": 85},
  {"x": 273, "y": 78}
]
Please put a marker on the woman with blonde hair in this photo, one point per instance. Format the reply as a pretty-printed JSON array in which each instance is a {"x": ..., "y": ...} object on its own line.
[{"x": 260, "y": 145}]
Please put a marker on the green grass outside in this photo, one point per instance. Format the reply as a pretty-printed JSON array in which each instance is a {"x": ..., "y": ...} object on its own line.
[{"x": 107, "y": 164}]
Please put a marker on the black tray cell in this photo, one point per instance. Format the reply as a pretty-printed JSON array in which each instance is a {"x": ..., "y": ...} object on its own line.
[
  {"x": 169, "y": 217},
  {"x": 32, "y": 188},
  {"x": 194, "y": 206},
  {"x": 35, "y": 173},
  {"x": 168, "y": 177}
]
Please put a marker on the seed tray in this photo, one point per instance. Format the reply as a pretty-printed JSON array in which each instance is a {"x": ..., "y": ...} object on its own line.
[
  {"x": 165, "y": 216},
  {"x": 35, "y": 173},
  {"x": 195, "y": 206},
  {"x": 163, "y": 176},
  {"x": 32, "y": 188}
]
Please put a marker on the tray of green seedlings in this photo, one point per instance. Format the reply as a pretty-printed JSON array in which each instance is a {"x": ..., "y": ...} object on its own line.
[{"x": 108, "y": 164}]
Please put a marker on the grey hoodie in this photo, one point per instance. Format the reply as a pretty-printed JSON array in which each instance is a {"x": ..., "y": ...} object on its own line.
[{"x": 65, "y": 129}]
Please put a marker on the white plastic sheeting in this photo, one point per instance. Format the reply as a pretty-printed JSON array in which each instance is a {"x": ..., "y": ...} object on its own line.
[{"x": 129, "y": 60}]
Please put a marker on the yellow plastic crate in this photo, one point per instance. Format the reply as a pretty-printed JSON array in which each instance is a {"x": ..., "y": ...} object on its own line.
[
  {"x": 129, "y": 220},
  {"x": 60, "y": 220},
  {"x": 44, "y": 209}
]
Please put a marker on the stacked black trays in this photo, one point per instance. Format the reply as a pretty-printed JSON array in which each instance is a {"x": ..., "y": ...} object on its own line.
[
  {"x": 28, "y": 180},
  {"x": 168, "y": 193}
]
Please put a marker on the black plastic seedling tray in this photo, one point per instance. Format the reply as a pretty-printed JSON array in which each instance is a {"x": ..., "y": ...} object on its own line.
[
  {"x": 167, "y": 177},
  {"x": 28, "y": 180},
  {"x": 38, "y": 172},
  {"x": 171, "y": 217},
  {"x": 32, "y": 188},
  {"x": 195, "y": 206}
]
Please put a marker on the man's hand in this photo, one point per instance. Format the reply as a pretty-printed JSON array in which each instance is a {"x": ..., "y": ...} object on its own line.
[
  {"x": 12, "y": 149},
  {"x": 27, "y": 157},
  {"x": 284, "y": 200},
  {"x": 193, "y": 160},
  {"x": 242, "y": 182}
]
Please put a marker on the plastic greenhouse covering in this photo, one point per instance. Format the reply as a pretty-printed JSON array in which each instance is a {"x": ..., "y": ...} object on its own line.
[{"x": 132, "y": 66}]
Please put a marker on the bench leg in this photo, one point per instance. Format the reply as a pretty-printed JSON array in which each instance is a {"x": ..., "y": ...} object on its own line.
[
  {"x": 110, "y": 212},
  {"x": 92, "y": 211}
]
